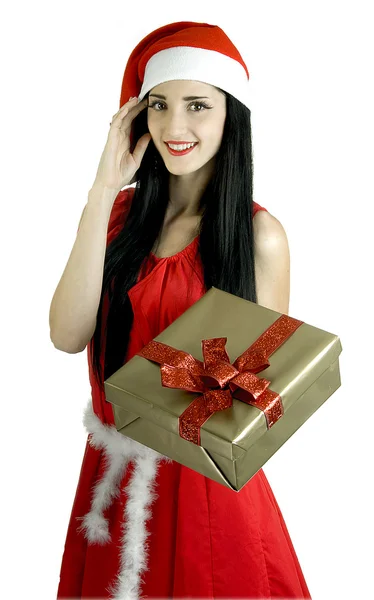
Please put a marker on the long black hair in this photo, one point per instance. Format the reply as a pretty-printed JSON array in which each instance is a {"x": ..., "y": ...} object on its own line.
[{"x": 225, "y": 240}]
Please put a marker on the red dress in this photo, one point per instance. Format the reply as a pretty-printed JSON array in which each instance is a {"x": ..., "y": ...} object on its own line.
[{"x": 144, "y": 526}]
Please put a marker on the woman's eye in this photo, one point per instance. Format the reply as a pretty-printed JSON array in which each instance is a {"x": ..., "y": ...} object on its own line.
[
  {"x": 201, "y": 104},
  {"x": 198, "y": 104},
  {"x": 154, "y": 104}
]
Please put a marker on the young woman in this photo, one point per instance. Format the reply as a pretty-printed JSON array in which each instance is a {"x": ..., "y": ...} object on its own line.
[{"x": 143, "y": 525}]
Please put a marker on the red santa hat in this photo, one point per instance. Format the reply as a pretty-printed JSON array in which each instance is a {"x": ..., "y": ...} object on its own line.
[{"x": 186, "y": 50}]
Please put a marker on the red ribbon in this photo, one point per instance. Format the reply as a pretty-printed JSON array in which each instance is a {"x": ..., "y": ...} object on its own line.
[{"x": 181, "y": 370}]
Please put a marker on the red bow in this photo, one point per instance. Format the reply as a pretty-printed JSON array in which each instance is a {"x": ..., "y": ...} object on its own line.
[{"x": 181, "y": 370}]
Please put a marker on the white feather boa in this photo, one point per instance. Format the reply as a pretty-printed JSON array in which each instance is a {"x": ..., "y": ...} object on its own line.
[{"x": 140, "y": 490}]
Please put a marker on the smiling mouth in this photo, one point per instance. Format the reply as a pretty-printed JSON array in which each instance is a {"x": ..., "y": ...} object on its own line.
[{"x": 180, "y": 152}]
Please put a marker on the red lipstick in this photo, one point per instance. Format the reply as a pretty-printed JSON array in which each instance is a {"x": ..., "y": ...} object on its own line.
[{"x": 180, "y": 152}]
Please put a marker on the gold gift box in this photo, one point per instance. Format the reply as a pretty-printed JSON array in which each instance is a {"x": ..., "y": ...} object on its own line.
[{"x": 237, "y": 441}]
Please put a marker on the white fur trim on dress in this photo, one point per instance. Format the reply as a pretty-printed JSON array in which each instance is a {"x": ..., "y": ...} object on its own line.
[{"x": 118, "y": 451}]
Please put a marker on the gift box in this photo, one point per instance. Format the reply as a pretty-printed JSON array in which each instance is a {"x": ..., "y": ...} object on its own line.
[{"x": 225, "y": 386}]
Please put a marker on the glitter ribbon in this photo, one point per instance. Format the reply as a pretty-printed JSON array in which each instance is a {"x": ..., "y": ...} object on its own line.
[{"x": 181, "y": 370}]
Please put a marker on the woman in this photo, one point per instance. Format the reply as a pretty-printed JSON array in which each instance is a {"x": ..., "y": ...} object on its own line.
[{"x": 142, "y": 525}]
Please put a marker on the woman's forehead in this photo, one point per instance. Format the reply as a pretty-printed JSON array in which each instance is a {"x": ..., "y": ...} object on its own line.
[{"x": 180, "y": 87}]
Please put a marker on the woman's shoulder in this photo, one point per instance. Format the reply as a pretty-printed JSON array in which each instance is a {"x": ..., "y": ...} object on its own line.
[
  {"x": 269, "y": 233},
  {"x": 265, "y": 225},
  {"x": 257, "y": 207}
]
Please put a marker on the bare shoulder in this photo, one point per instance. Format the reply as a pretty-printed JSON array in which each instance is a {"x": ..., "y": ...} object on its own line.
[
  {"x": 272, "y": 262},
  {"x": 268, "y": 230}
]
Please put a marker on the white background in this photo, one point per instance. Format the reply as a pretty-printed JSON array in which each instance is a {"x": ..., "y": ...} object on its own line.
[{"x": 311, "y": 66}]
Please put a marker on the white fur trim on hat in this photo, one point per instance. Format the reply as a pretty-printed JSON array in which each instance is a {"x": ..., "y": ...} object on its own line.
[{"x": 198, "y": 64}]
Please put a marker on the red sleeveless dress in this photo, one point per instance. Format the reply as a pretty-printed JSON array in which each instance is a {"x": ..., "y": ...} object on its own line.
[{"x": 144, "y": 526}]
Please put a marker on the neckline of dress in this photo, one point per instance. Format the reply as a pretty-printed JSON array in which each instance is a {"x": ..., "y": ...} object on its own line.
[{"x": 175, "y": 256}]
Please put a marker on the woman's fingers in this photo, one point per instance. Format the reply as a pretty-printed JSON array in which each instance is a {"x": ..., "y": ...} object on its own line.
[{"x": 130, "y": 105}]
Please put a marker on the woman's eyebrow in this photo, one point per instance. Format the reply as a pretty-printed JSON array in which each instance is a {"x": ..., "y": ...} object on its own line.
[{"x": 185, "y": 98}]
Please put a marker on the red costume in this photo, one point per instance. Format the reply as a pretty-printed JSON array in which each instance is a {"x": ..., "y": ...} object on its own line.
[{"x": 144, "y": 526}]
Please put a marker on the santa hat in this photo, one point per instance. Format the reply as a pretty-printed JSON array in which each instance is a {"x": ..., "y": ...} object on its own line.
[{"x": 186, "y": 50}]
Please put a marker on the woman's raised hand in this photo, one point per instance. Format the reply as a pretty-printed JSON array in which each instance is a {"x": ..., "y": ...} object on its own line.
[{"x": 117, "y": 165}]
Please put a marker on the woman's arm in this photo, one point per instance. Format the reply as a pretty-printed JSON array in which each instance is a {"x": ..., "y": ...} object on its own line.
[
  {"x": 73, "y": 311},
  {"x": 272, "y": 262}
]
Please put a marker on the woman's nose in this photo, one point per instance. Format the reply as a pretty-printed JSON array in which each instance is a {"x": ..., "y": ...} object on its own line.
[{"x": 176, "y": 120}]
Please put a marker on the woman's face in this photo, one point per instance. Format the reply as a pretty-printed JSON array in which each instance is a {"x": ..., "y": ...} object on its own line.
[{"x": 173, "y": 117}]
